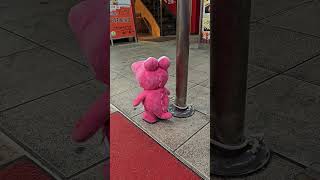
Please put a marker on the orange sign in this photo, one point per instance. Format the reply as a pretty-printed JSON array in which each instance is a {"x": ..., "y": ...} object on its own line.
[{"x": 121, "y": 20}]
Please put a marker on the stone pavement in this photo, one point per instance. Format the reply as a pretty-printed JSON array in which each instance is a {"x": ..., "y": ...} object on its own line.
[{"x": 46, "y": 85}]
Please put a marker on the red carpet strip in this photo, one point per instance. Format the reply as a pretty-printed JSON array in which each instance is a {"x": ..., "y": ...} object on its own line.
[
  {"x": 23, "y": 169},
  {"x": 136, "y": 156}
]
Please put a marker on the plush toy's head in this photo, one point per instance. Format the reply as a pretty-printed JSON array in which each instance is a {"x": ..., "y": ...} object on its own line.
[{"x": 151, "y": 73}]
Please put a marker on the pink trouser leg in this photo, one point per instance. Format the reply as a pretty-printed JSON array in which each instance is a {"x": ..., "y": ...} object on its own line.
[{"x": 95, "y": 118}]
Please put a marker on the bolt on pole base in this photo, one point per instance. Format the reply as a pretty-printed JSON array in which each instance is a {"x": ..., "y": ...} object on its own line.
[
  {"x": 239, "y": 162},
  {"x": 181, "y": 112}
]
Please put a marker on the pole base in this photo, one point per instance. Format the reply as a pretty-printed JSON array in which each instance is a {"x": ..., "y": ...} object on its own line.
[
  {"x": 241, "y": 162},
  {"x": 181, "y": 112}
]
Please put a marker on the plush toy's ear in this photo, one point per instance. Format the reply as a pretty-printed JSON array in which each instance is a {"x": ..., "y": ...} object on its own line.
[
  {"x": 164, "y": 62},
  {"x": 151, "y": 64}
]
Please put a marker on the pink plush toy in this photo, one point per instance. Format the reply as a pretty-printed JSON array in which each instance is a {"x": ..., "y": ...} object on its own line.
[{"x": 152, "y": 75}]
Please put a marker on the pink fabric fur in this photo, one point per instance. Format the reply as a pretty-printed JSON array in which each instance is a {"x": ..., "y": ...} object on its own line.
[{"x": 152, "y": 75}]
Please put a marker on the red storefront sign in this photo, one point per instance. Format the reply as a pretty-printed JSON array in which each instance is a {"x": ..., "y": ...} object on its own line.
[{"x": 121, "y": 19}]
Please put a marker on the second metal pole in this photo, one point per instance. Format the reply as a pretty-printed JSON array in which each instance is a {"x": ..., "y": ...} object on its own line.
[
  {"x": 232, "y": 153},
  {"x": 180, "y": 108}
]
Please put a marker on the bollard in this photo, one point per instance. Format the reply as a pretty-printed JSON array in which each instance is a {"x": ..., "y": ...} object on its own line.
[
  {"x": 232, "y": 154},
  {"x": 180, "y": 108}
]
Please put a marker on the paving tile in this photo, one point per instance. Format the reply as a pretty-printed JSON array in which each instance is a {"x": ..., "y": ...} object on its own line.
[
  {"x": 302, "y": 19},
  {"x": 277, "y": 168},
  {"x": 121, "y": 84},
  {"x": 112, "y": 110},
  {"x": 257, "y": 74},
  {"x": 171, "y": 85},
  {"x": 199, "y": 96},
  {"x": 12, "y": 43},
  {"x": 68, "y": 47},
  {"x": 94, "y": 173},
  {"x": 31, "y": 74},
  {"x": 309, "y": 71},
  {"x": 196, "y": 151},
  {"x": 204, "y": 67},
  {"x": 13, "y": 10},
  {"x": 9, "y": 151},
  {"x": 206, "y": 83},
  {"x": 173, "y": 133},
  {"x": 278, "y": 50},
  {"x": 123, "y": 102},
  {"x": 45, "y": 127},
  {"x": 195, "y": 76},
  {"x": 262, "y": 9},
  {"x": 286, "y": 110},
  {"x": 38, "y": 27}
]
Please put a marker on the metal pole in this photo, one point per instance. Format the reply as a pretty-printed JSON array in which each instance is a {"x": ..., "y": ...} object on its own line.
[
  {"x": 232, "y": 153},
  {"x": 180, "y": 108}
]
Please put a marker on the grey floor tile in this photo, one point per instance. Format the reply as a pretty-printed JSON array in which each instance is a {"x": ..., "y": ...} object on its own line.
[
  {"x": 286, "y": 110},
  {"x": 262, "y": 9},
  {"x": 45, "y": 127},
  {"x": 196, "y": 151},
  {"x": 309, "y": 71},
  {"x": 199, "y": 96},
  {"x": 114, "y": 75},
  {"x": 13, "y": 10},
  {"x": 123, "y": 102},
  {"x": 112, "y": 110},
  {"x": 171, "y": 85},
  {"x": 120, "y": 85},
  {"x": 278, "y": 50},
  {"x": 34, "y": 73},
  {"x": 41, "y": 28},
  {"x": 94, "y": 173},
  {"x": 9, "y": 150},
  {"x": 206, "y": 83},
  {"x": 257, "y": 75},
  {"x": 174, "y": 132},
  {"x": 204, "y": 67},
  {"x": 10, "y": 43},
  {"x": 195, "y": 76},
  {"x": 277, "y": 169},
  {"x": 68, "y": 47},
  {"x": 303, "y": 19}
]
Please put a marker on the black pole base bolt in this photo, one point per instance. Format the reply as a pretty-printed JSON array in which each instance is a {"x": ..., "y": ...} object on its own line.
[
  {"x": 233, "y": 162},
  {"x": 181, "y": 112}
]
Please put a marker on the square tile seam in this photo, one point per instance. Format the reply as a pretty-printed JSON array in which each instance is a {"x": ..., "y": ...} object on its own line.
[
  {"x": 287, "y": 29},
  {"x": 283, "y": 73},
  {"x": 43, "y": 45},
  {"x": 179, "y": 158},
  {"x": 282, "y": 11},
  {"x": 47, "y": 95},
  {"x": 47, "y": 166},
  {"x": 2, "y": 58},
  {"x": 87, "y": 169}
]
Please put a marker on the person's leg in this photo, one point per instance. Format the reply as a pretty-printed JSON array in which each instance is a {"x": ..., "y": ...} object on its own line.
[
  {"x": 89, "y": 22},
  {"x": 95, "y": 118}
]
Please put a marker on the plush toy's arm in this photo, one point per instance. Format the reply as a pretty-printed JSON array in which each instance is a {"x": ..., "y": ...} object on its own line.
[{"x": 139, "y": 99}]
